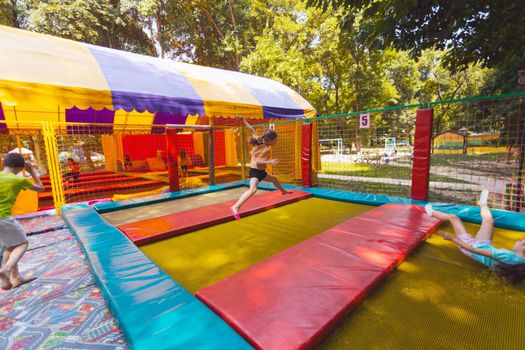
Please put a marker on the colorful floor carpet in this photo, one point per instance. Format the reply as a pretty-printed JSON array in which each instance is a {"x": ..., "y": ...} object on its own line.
[{"x": 62, "y": 309}]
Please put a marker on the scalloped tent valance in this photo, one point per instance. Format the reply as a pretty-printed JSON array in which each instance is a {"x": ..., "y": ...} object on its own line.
[{"x": 42, "y": 77}]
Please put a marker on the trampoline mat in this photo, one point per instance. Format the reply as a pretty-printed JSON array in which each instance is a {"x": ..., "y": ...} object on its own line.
[
  {"x": 127, "y": 216},
  {"x": 203, "y": 257},
  {"x": 439, "y": 299}
]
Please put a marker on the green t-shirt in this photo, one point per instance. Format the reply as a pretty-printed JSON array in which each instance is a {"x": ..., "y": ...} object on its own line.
[{"x": 10, "y": 186}]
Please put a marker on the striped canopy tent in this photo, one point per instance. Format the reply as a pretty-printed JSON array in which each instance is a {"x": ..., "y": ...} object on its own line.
[{"x": 44, "y": 78}]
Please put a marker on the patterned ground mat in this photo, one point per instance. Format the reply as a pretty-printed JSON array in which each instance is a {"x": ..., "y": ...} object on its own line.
[
  {"x": 41, "y": 224},
  {"x": 62, "y": 308}
]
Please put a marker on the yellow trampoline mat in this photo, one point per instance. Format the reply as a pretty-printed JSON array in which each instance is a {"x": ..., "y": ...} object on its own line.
[
  {"x": 203, "y": 257},
  {"x": 439, "y": 299}
]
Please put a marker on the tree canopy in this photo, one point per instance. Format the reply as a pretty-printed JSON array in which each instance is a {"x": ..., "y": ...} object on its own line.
[
  {"x": 487, "y": 32},
  {"x": 341, "y": 55}
]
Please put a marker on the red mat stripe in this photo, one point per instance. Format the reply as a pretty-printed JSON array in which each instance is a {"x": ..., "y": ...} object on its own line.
[
  {"x": 156, "y": 229},
  {"x": 102, "y": 189},
  {"x": 296, "y": 298}
]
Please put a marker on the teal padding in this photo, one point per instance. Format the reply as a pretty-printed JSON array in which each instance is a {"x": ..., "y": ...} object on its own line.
[
  {"x": 163, "y": 197},
  {"x": 153, "y": 310},
  {"x": 502, "y": 218}
]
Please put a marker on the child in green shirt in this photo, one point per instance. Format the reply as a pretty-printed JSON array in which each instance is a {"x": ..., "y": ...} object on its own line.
[{"x": 12, "y": 235}]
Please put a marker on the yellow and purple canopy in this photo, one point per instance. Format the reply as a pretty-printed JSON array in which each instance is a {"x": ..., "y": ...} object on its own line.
[{"x": 44, "y": 78}]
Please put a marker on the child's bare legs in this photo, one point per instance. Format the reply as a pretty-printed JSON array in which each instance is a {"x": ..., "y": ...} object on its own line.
[
  {"x": 14, "y": 277},
  {"x": 9, "y": 275},
  {"x": 5, "y": 256},
  {"x": 276, "y": 183},
  {"x": 456, "y": 222},
  {"x": 486, "y": 231},
  {"x": 254, "y": 182}
]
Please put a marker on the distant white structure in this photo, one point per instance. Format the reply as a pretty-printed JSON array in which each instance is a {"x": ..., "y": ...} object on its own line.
[{"x": 338, "y": 150}]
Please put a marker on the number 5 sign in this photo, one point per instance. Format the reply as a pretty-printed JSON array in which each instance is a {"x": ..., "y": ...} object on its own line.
[{"x": 364, "y": 121}]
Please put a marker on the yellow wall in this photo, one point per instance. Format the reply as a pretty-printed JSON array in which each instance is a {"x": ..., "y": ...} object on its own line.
[{"x": 472, "y": 150}]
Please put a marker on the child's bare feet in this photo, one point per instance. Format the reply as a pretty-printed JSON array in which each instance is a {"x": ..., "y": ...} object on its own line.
[
  {"x": 483, "y": 197},
  {"x": 445, "y": 235},
  {"x": 429, "y": 210},
  {"x": 235, "y": 212},
  {"x": 20, "y": 281},
  {"x": 5, "y": 284}
]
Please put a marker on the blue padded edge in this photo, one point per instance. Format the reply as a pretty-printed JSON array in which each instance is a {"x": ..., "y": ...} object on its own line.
[
  {"x": 503, "y": 219},
  {"x": 153, "y": 310},
  {"x": 163, "y": 197}
]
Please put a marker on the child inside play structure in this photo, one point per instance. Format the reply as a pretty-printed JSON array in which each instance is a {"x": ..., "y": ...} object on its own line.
[
  {"x": 184, "y": 162},
  {"x": 510, "y": 264},
  {"x": 260, "y": 159},
  {"x": 12, "y": 235},
  {"x": 74, "y": 172}
]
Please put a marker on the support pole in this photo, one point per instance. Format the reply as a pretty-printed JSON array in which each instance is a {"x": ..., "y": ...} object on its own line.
[
  {"x": 243, "y": 155},
  {"x": 306, "y": 155},
  {"x": 173, "y": 156},
  {"x": 422, "y": 146},
  {"x": 53, "y": 164},
  {"x": 211, "y": 161},
  {"x": 521, "y": 145}
]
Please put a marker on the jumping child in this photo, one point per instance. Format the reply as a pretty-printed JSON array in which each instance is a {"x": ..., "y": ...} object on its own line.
[
  {"x": 12, "y": 235},
  {"x": 510, "y": 264},
  {"x": 260, "y": 159}
]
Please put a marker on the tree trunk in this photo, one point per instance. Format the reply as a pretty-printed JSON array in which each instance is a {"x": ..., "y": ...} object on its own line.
[
  {"x": 160, "y": 33},
  {"x": 236, "y": 53},
  {"x": 357, "y": 107},
  {"x": 336, "y": 99},
  {"x": 14, "y": 13}
]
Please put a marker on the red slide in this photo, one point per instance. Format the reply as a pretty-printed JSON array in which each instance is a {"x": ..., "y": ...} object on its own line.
[{"x": 296, "y": 298}]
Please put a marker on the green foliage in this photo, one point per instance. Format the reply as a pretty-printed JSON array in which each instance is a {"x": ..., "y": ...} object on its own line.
[
  {"x": 473, "y": 31},
  {"x": 484, "y": 31},
  {"x": 106, "y": 23},
  {"x": 13, "y": 13},
  {"x": 335, "y": 58}
]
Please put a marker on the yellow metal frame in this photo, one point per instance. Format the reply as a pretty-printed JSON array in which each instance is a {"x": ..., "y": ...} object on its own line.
[
  {"x": 53, "y": 163},
  {"x": 51, "y": 130}
]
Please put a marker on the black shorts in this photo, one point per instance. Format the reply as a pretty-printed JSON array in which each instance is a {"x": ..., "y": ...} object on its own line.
[
  {"x": 258, "y": 174},
  {"x": 184, "y": 167}
]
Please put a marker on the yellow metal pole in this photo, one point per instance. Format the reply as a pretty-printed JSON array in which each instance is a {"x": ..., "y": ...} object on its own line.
[
  {"x": 243, "y": 156},
  {"x": 19, "y": 146},
  {"x": 53, "y": 163}
]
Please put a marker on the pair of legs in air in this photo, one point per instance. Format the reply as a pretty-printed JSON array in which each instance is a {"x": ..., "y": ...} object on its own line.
[
  {"x": 254, "y": 183},
  {"x": 486, "y": 231},
  {"x": 9, "y": 274}
]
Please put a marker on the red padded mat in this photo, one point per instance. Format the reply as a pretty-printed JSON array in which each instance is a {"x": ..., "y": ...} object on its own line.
[
  {"x": 296, "y": 298},
  {"x": 155, "y": 229}
]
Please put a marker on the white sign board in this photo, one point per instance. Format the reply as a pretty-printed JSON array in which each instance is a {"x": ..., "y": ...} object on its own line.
[
  {"x": 364, "y": 121},
  {"x": 271, "y": 126}
]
